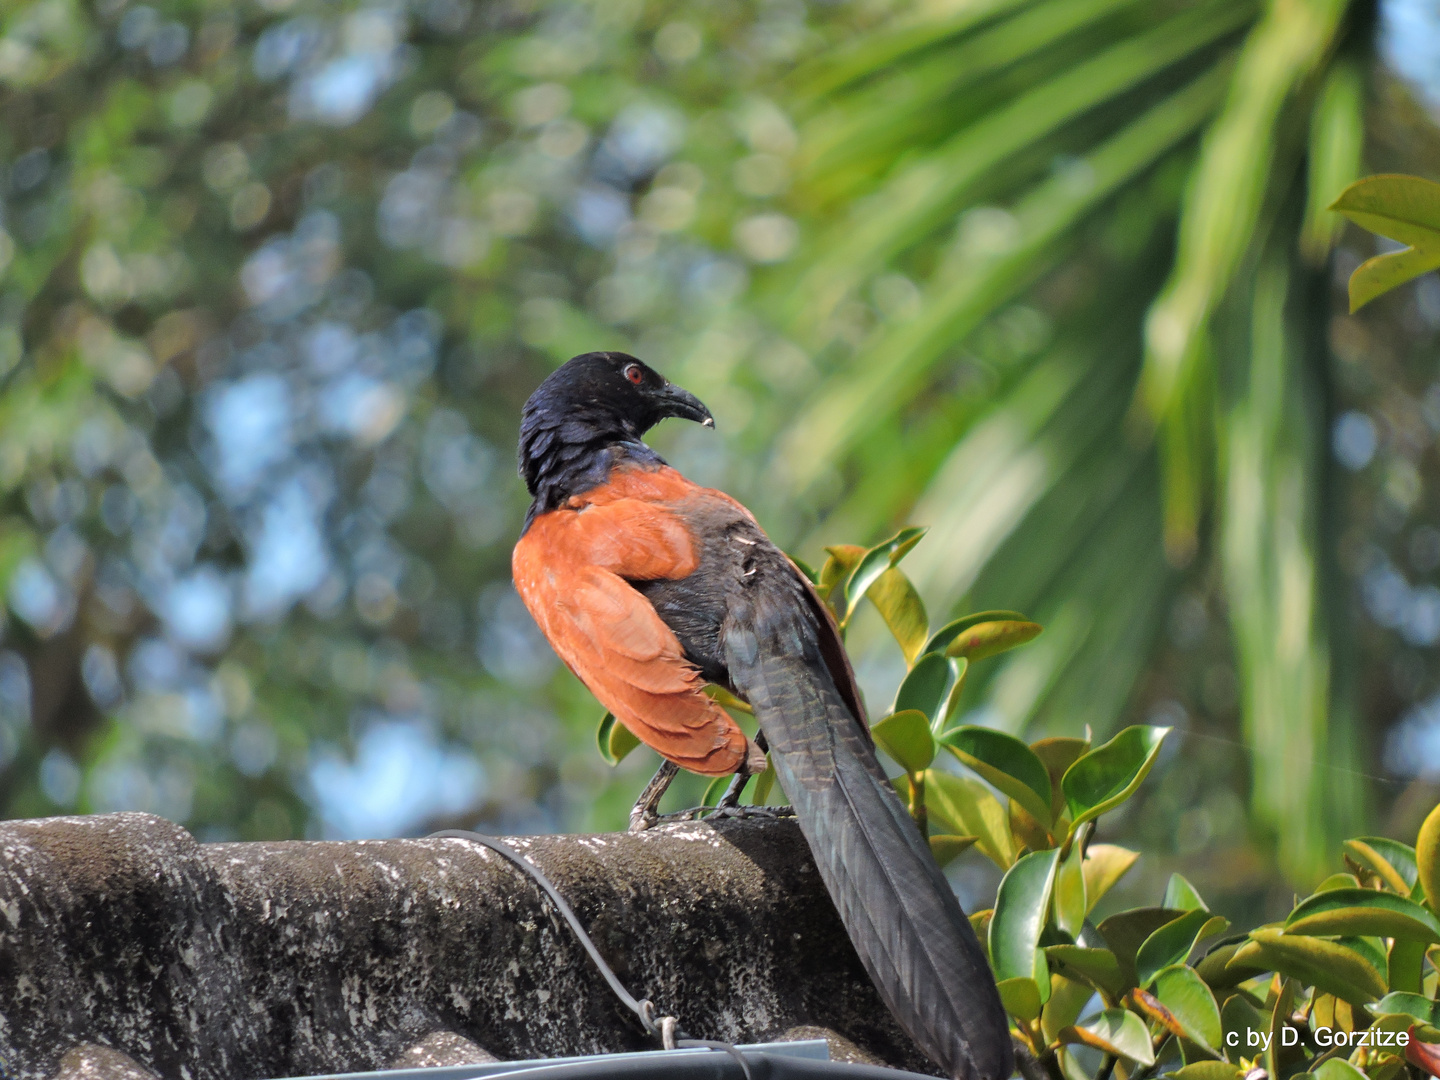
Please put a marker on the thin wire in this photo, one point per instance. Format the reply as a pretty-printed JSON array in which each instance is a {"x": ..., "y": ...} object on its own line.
[
  {"x": 664, "y": 1028},
  {"x": 1188, "y": 733}
]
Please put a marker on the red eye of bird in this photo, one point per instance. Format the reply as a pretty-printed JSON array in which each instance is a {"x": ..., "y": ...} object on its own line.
[{"x": 634, "y": 374}]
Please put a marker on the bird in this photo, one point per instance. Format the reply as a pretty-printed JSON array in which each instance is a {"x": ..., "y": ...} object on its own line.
[{"x": 649, "y": 587}]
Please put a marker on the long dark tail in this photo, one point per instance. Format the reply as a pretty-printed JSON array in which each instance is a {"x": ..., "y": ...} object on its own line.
[{"x": 901, "y": 914}]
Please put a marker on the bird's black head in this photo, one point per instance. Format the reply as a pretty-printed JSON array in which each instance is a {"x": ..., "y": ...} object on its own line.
[{"x": 588, "y": 405}]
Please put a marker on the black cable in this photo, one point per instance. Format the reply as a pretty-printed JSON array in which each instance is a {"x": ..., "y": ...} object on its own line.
[{"x": 644, "y": 1009}]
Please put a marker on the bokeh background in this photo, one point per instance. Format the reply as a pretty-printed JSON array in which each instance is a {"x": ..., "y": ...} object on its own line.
[{"x": 1053, "y": 277}]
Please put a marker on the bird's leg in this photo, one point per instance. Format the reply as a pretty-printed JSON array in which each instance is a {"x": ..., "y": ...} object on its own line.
[
  {"x": 731, "y": 799},
  {"x": 729, "y": 804},
  {"x": 643, "y": 814}
]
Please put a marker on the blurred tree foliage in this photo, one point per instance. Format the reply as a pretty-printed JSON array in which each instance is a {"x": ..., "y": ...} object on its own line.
[{"x": 1048, "y": 276}]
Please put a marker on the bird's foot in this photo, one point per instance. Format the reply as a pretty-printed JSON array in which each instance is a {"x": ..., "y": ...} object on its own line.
[{"x": 729, "y": 813}]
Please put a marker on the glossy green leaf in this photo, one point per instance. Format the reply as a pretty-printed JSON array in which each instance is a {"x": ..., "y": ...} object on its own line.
[
  {"x": 993, "y": 638},
  {"x": 1104, "y": 865},
  {"x": 1393, "y": 861},
  {"x": 764, "y": 784},
  {"x": 1361, "y": 912},
  {"x": 1110, "y": 774},
  {"x": 1207, "y": 1070},
  {"x": 1097, "y": 966},
  {"x": 1405, "y": 965},
  {"x": 1403, "y": 208},
  {"x": 805, "y": 568},
  {"x": 614, "y": 739},
  {"x": 1068, "y": 999},
  {"x": 838, "y": 566},
  {"x": 1192, "y": 1005},
  {"x": 1114, "y": 1031},
  {"x": 906, "y": 737},
  {"x": 1021, "y": 997},
  {"x": 894, "y": 596},
  {"x": 714, "y": 790},
  {"x": 1337, "y": 1068},
  {"x": 952, "y": 703},
  {"x": 951, "y": 630},
  {"x": 927, "y": 687},
  {"x": 1057, "y": 754},
  {"x": 1006, "y": 762},
  {"x": 1338, "y": 881},
  {"x": 874, "y": 563},
  {"x": 1281, "y": 1009},
  {"x": 1126, "y": 931},
  {"x": 945, "y": 847},
  {"x": 968, "y": 808},
  {"x": 1427, "y": 857},
  {"x": 1180, "y": 894},
  {"x": 1416, "y": 1005},
  {"x": 1238, "y": 1019},
  {"x": 1314, "y": 961},
  {"x": 1070, "y": 901},
  {"x": 1173, "y": 942},
  {"x": 1021, "y": 907},
  {"x": 1214, "y": 967}
]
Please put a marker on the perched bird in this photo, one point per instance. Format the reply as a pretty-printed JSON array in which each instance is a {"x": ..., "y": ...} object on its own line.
[{"x": 649, "y": 587}]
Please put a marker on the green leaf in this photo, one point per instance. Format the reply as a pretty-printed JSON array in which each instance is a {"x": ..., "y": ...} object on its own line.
[
  {"x": 967, "y": 806},
  {"x": 903, "y": 611},
  {"x": 1392, "y": 860},
  {"x": 1405, "y": 965},
  {"x": 714, "y": 790},
  {"x": 1109, "y": 774},
  {"x": 1068, "y": 998},
  {"x": 1021, "y": 906},
  {"x": 1114, "y": 1031},
  {"x": 1207, "y": 1070},
  {"x": 874, "y": 563},
  {"x": 1098, "y": 967},
  {"x": 946, "y": 847},
  {"x": 805, "y": 568},
  {"x": 1057, "y": 754},
  {"x": 1338, "y": 1069},
  {"x": 1070, "y": 905},
  {"x": 951, "y": 630},
  {"x": 1173, "y": 942},
  {"x": 1215, "y": 970},
  {"x": 927, "y": 687},
  {"x": 838, "y": 566},
  {"x": 1338, "y": 881},
  {"x": 1126, "y": 931},
  {"x": 1192, "y": 1004},
  {"x": 764, "y": 784},
  {"x": 1403, "y": 208},
  {"x": 1104, "y": 865},
  {"x": 614, "y": 739},
  {"x": 1021, "y": 997},
  {"x": 1362, "y": 912},
  {"x": 1427, "y": 857},
  {"x": 1180, "y": 894},
  {"x": 1416, "y": 1005},
  {"x": 1327, "y": 965},
  {"x": 906, "y": 737},
  {"x": 1239, "y": 1017},
  {"x": 1006, "y": 762},
  {"x": 988, "y": 639}
]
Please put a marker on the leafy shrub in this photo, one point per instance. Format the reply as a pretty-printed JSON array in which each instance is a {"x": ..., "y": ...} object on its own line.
[{"x": 1344, "y": 988}]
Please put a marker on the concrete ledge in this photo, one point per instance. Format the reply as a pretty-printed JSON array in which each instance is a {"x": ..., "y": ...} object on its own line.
[{"x": 128, "y": 949}]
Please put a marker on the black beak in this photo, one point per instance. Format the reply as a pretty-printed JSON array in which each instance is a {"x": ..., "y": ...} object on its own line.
[{"x": 670, "y": 400}]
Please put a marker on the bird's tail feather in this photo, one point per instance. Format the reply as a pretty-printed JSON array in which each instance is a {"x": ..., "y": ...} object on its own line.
[{"x": 900, "y": 912}]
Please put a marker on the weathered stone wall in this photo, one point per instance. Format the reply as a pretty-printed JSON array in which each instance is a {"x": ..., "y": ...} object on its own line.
[{"x": 121, "y": 933}]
